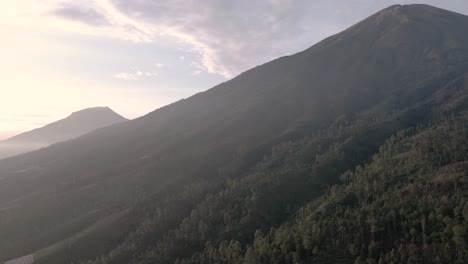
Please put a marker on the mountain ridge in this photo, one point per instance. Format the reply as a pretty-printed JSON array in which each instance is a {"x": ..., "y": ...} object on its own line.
[
  {"x": 76, "y": 124},
  {"x": 290, "y": 126}
]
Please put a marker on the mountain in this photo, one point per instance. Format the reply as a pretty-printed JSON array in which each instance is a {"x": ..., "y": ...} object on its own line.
[
  {"x": 77, "y": 124},
  {"x": 252, "y": 170}
]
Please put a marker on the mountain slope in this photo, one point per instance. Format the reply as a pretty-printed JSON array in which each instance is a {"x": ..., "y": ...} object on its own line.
[
  {"x": 77, "y": 124},
  {"x": 292, "y": 125},
  {"x": 406, "y": 206}
]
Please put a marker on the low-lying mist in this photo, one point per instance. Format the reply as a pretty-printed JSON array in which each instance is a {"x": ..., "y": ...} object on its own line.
[{"x": 14, "y": 149}]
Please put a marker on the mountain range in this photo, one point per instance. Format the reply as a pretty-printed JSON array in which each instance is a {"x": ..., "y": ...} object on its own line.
[
  {"x": 353, "y": 150},
  {"x": 77, "y": 124}
]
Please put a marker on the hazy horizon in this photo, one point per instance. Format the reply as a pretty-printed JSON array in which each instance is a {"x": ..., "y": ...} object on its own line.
[
  {"x": 134, "y": 57},
  {"x": 8, "y": 134}
]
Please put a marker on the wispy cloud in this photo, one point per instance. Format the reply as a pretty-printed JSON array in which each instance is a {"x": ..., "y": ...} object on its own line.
[
  {"x": 126, "y": 76},
  {"x": 82, "y": 14},
  {"x": 30, "y": 115},
  {"x": 90, "y": 17},
  {"x": 228, "y": 36}
]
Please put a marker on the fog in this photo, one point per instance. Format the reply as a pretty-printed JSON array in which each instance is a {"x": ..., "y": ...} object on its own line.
[
  {"x": 7, "y": 134},
  {"x": 13, "y": 149}
]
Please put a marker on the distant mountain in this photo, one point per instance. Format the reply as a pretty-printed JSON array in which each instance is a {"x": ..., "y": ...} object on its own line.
[
  {"x": 77, "y": 124},
  {"x": 238, "y": 173}
]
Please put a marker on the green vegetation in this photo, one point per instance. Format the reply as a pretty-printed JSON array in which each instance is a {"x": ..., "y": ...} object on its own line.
[{"x": 408, "y": 205}]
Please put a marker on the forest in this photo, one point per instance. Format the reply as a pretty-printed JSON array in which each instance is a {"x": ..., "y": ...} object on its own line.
[{"x": 408, "y": 204}]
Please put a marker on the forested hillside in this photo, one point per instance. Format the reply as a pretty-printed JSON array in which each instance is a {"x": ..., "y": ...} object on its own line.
[
  {"x": 353, "y": 150},
  {"x": 409, "y": 205}
]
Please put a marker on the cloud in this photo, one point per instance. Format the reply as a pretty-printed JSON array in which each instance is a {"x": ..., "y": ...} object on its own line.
[
  {"x": 228, "y": 37},
  {"x": 90, "y": 17},
  {"x": 21, "y": 117},
  {"x": 231, "y": 36},
  {"x": 30, "y": 115},
  {"x": 135, "y": 75},
  {"x": 126, "y": 76},
  {"x": 82, "y": 14}
]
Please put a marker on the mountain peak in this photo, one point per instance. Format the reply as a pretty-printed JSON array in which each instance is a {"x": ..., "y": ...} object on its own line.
[
  {"x": 77, "y": 124},
  {"x": 391, "y": 10},
  {"x": 421, "y": 13},
  {"x": 417, "y": 31},
  {"x": 398, "y": 9},
  {"x": 94, "y": 110},
  {"x": 96, "y": 115}
]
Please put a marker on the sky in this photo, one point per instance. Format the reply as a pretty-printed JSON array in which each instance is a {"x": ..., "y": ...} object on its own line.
[{"x": 60, "y": 56}]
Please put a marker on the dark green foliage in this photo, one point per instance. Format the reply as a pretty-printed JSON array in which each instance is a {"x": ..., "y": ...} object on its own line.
[{"x": 401, "y": 208}]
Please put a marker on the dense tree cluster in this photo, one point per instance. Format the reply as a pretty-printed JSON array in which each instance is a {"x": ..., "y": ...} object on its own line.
[{"x": 409, "y": 204}]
